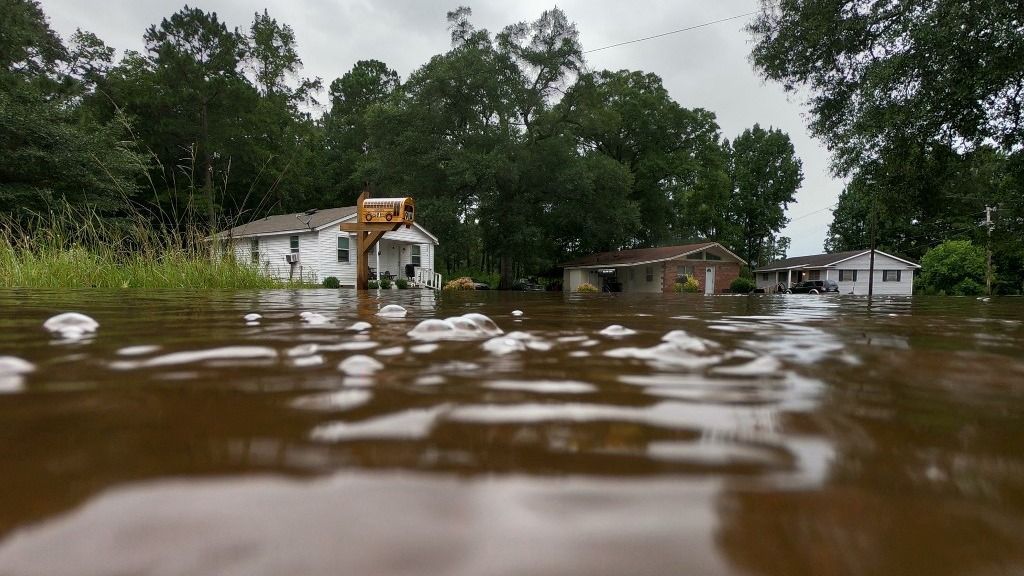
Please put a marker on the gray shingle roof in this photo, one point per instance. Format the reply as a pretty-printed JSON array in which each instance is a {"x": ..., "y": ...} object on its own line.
[
  {"x": 636, "y": 256},
  {"x": 817, "y": 260},
  {"x": 289, "y": 222}
]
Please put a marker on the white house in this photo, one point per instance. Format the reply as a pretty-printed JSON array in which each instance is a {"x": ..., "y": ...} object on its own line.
[
  {"x": 893, "y": 275},
  {"x": 311, "y": 245}
]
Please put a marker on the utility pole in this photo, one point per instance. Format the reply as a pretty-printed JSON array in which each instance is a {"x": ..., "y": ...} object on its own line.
[
  {"x": 874, "y": 242},
  {"x": 988, "y": 267}
]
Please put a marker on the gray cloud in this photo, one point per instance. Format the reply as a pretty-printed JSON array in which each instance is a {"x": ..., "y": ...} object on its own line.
[{"x": 707, "y": 67}]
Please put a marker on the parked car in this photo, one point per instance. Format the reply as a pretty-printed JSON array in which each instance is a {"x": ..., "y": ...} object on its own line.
[
  {"x": 814, "y": 287},
  {"x": 478, "y": 285}
]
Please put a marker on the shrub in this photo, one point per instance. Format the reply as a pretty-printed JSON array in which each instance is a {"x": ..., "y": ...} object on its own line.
[
  {"x": 372, "y": 285},
  {"x": 742, "y": 285},
  {"x": 385, "y": 283},
  {"x": 464, "y": 283},
  {"x": 586, "y": 287},
  {"x": 689, "y": 286},
  {"x": 955, "y": 267},
  {"x": 402, "y": 283},
  {"x": 332, "y": 282}
]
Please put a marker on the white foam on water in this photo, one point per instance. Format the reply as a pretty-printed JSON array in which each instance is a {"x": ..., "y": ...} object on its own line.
[
  {"x": 763, "y": 366},
  {"x": 360, "y": 326},
  {"x": 517, "y": 312},
  {"x": 617, "y": 331},
  {"x": 12, "y": 371},
  {"x": 349, "y": 346},
  {"x": 71, "y": 325},
  {"x": 408, "y": 425},
  {"x": 333, "y": 401},
  {"x": 252, "y": 317},
  {"x": 303, "y": 350},
  {"x": 685, "y": 341},
  {"x": 543, "y": 386},
  {"x": 423, "y": 348},
  {"x": 515, "y": 342},
  {"x": 579, "y": 338},
  {"x": 470, "y": 326},
  {"x": 306, "y": 361},
  {"x": 138, "y": 350},
  {"x": 665, "y": 354},
  {"x": 392, "y": 311},
  {"x": 192, "y": 356},
  {"x": 579, "y": 354},
  {"x": 314, "y": 318},
  {"x": 360, "y": 365},
  {"x": 430, "y": 380},
  {"x": 393, "y": 351}
]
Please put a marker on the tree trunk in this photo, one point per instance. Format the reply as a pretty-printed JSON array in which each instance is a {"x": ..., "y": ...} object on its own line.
[{"x": 506, "y": 264}]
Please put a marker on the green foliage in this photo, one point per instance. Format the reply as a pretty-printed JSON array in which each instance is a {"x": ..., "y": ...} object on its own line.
[
  {"x": 587, "y": 288},
  {"x": 402, "y": 284},
  {"x": 742, "y": 285},
  {"x": 332, "y": 282},
  {"x": 689, "y": 286},
  {"x": 372, "y": 285},
  {"x": 384, "y": 283},
  {"x": 955, "y": 267}
]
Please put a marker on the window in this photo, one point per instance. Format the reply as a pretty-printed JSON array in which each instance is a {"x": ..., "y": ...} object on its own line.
[
  {"x": 416, "y": 260},
  {"x": 342, "y": 248},
  {"x": 814, "y": 275},
  {"x": 764, "y": 276},
  {"x": 710, "y": 256},
  {"x": 650, "y": 273},
  {"x": 682, "y": 272},
  {"x": 890, "y": 275},
  {"x": 254, "y": 250},
  {"x": 847, "y": 275},
  {"x": 294, "y": 242}
]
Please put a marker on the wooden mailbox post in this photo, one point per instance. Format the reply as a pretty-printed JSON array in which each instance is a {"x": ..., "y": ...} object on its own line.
[{"x": 374, "y": 218}]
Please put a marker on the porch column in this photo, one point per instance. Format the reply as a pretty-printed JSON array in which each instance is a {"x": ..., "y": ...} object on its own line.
[{"x": 789, "y": 278}]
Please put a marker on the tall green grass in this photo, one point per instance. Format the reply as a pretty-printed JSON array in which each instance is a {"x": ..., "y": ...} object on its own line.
[{"x": 76, "y": 248}]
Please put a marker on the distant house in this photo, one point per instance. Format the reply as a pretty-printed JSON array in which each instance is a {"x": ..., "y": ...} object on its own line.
[
  {"x": 655, "y": 269},
  {"x": 311, "y": 245},
  {"x": 893, "y": 275}
]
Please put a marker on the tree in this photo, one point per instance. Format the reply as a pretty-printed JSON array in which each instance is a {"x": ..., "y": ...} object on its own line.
[
  {"x": 881, "y": 73},
  {"x": 955, "y": 267},
  {"x": 766, "y": 174}
]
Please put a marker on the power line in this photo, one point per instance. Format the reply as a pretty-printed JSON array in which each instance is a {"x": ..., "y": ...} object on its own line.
[{"x": 688, "y": 28}]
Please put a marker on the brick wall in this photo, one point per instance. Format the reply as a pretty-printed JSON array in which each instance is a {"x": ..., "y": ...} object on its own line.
[
  {"x": 725, "y": 273},
  {"x": 668, "y": 275}
]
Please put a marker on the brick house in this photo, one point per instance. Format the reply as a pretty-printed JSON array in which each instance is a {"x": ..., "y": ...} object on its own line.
[{"x": 655, "y": 269}]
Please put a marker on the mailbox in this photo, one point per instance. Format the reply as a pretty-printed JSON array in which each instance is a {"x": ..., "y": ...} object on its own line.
[{"x": 388, "y": 210}]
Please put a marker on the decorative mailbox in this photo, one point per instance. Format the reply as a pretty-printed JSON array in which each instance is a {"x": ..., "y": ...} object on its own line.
[{"x": 388, "y": 210}]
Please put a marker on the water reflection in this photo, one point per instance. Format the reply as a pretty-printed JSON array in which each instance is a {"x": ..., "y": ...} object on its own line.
[{"x": 763, "y": 435}]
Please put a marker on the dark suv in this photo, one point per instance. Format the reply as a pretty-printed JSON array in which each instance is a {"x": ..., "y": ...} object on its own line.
[{"x": 814, "y": 287}]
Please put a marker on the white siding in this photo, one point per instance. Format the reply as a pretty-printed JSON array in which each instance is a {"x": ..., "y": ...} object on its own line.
[{"x": 861, "y": 263}]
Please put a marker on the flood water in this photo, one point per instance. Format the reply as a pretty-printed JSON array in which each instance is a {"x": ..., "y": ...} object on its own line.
[{"x": 773, "y": 435}]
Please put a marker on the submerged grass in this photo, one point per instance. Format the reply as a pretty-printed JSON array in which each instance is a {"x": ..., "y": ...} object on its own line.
[{"x": 73, "y": 248}]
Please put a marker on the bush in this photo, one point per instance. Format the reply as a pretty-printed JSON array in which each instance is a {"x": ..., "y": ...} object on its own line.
[
  {"x": 492, "y": 279},
  {"x": 385, "y": 283},
  {"x": 402, "y": 283},
  {"x": 955, "y": 267},
  {"x": 742, "y": 285},
  {"x": 689, "y": 286},
  {"x": 372, "y": 285},
  {"x": 464, "y": 283},
  {"x": 332, "y": 282},
  {"x": 586, "y": 288}
]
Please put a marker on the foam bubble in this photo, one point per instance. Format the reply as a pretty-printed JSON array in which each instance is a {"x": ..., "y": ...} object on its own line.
[
  {"x": 192, "y": 356},
  {"x": 616, "y": 331},
  {"x": 314, "y": 318},
  {"x": 517, "y": 312},
  {"x": 12, "y": 371},
  {"x": 515, "y": 342},
  {"x": 333, "y": 401},
  {"x": 252, "y": 317},
  {"x": 685, "y": 341},
  {"x": 466, "y": 327},
  {"x": 360, "y": 326},
  {"x": 392, "y": 351},
  {"x": 423, "y": 348},
  {"x": 71, "y": 325},
  {"x": 360, "y": 365},
  {"x": 763, "y": 366},
  {"x": 392, "y": 311}
]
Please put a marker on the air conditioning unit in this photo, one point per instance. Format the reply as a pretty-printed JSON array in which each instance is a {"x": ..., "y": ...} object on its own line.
[{"x": 291, "y": 258}]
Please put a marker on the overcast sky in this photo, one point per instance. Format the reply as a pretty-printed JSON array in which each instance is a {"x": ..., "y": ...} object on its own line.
[{"x": 707, "y": 67}]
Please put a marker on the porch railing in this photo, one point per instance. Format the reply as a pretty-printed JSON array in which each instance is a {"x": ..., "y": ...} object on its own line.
[{"x": 429, "y": 278}]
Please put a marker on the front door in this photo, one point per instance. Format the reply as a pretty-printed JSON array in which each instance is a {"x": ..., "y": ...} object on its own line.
[{"x": 709, "y": 280}]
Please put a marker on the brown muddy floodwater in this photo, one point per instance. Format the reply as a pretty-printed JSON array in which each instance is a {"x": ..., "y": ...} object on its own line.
[{"x": 773, "y": 435}]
